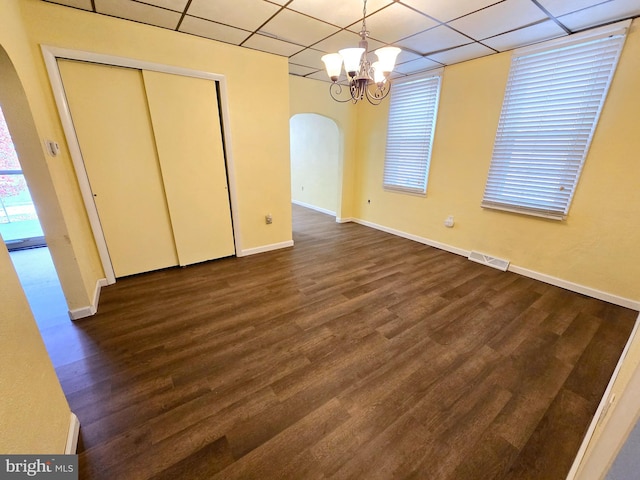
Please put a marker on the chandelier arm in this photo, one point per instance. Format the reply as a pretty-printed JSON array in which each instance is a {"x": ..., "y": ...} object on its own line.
[
  {"x": 338, "y": 91},
  {"x": 378, "y": 95}
]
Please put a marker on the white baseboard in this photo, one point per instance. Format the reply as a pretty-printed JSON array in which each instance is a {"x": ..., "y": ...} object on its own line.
[
  {"x": 575, "y": 287},
  {"x": 558, "y": 282},
  {"x": 264, "y": 248},
  {"x": 344, "y": 220},
  {"x": 415, "y": 238},
  {"x": 89, "y": 310},
  {"x": 314, "y": 207},
  {"x": 72, "y": 436}
]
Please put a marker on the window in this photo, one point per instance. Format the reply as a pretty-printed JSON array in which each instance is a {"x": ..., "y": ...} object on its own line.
[
  {"x": 412, "y": 122},
  {"x": 552, "y": 102}
]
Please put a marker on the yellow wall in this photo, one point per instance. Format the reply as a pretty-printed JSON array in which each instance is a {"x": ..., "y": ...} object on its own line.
[
  {"x": 315, "y": 161},
  {"x": 34, "y": 415},
  {"x": 62, "y": 216},
  {"x": 312, "y": 96}
]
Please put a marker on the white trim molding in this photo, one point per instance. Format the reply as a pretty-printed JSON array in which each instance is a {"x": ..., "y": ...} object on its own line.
[
  {"x": 265, "y": 248},
  {"x": 575, "y": 287},
  {"x": 415, "y": 238},
  {"x": 313, "y": 207},
  {"x": 92, "y": 309},
  {"x": 72, "y": 436}
]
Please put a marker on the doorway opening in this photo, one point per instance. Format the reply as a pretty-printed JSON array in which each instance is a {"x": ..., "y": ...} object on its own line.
[{"x": 22, "y": 233}]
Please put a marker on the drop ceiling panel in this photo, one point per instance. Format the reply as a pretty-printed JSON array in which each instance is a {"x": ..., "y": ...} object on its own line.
[
  {"x": 297, "y": 28},
  {"x": 601, "y": 14},
  {"x": 445, "y": 11},
  {"x": 500, "y": 18},
  {"x": 525, "y": 36},
  {"x": 415, "y": 66},
  {"x": 303, "y": 30},
  {"x": 139, "y": 12},
  {"x": 562, "y": 7},
  {"x": 439, "y": 38},
  {"x": 395, "y": 22},
  {"x": 245, "y": 14},
  {"x": 82, "y": 4},
  {"x": 272, "y": 45},
  {"x": 176, "y": 5},
  {"x": 462, "y": 54},
  {"x": 345, "y": 39},
  {"x": 338, "y": 12},
  {"x": 309, "y": 58},
  {"x": 215, "y": 31}
]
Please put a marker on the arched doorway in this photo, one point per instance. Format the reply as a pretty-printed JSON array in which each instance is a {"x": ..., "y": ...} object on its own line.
[{"x": 315, "y": 162}]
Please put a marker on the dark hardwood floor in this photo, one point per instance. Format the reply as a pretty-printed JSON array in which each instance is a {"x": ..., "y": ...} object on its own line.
[{"x": 355, "y": 354}]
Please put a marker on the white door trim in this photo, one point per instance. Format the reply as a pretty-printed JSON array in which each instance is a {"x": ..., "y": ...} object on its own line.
[{"x": 51, "y": 55}]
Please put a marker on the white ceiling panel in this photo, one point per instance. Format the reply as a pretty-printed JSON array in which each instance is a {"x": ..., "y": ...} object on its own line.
[
  {"x": 272, "y": 45},
  {"x": 338, "y": 12},
  {"x": 215, "y": 31},
  {"x": 395, "y": 22},
  {"x": 139, "y": 12},
  {"x": 415, "y": 66},
  {"x": 525, "y": 36},
  {"x": 176, "y": 5},
  {"x": 245, "y": 14},
  {"x": 462, "y": 54},
  {"x": 601, "y": 14},
  {"x": 446, "y": 31},
  {"x": 499, "y": 18},
  {"x": 82, "y": 4},
  {"x": 433, "y": 40},
  {"x": 297, "y": 28},
  {"x": 449, "y": 10},
  {"x": 345, "y": 39},
  {"x": 309, "y": 57},
  {"x": 562, "y": 7}
]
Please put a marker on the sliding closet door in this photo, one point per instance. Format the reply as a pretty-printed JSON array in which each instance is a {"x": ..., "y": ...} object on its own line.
[
  {"x": 110, "y": 114},
  {"x": 186, "y": 124}
]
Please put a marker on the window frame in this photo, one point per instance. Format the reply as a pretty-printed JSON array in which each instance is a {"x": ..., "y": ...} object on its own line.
[
  {"x": 510, "y": 171},
  {"x": 398, "y": 146}
]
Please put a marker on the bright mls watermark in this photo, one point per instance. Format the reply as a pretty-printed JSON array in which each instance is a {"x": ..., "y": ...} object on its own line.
[{"x": 51, "y": 467}]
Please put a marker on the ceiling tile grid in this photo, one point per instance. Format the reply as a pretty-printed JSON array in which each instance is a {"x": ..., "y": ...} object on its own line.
[{"x": 431, "y": 33}]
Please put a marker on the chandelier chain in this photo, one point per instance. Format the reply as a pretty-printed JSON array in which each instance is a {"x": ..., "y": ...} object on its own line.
[{"x": 364, "y": 16}]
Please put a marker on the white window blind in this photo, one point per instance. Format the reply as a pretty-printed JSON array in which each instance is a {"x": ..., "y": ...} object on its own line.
[
  {"x": 412, "y": 121},
  {"x": 551, "y": 107}
]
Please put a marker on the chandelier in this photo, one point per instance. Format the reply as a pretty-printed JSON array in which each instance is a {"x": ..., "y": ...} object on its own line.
[{"x": 366, "y": 80}]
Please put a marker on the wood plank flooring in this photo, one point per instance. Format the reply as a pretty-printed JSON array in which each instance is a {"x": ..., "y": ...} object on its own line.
[{"x": 353, "y": 355}]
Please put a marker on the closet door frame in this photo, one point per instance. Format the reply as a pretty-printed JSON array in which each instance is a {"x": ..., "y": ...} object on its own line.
[{"x": 51, "y": 55}]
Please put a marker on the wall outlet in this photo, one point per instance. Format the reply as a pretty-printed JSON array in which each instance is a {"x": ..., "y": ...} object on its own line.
[
  {"x": 268, "y": 219},
  {"x": 448, "y": 222}
]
